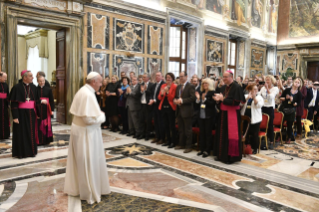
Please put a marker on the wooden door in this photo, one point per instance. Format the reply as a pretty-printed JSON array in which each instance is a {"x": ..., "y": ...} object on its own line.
[
  {"x": 313, "y": 71},
  {"x": 61, "y": 76}
]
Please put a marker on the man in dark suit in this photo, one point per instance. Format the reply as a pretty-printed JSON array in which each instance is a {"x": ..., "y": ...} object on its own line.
[
  {"x": 312, "y": 101},
  {"x": 195, "y": 82},
  {"x": 158, "y": 121},
  {"x": 133, "y": 103},
  {"x": 147, "y": 90},
  {"x": 184, "y": 99}
]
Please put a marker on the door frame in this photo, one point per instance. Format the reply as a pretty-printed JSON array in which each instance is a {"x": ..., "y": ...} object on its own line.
[
  {"x": 304, "y": 64},
  {"x": 54, "y": 20}
]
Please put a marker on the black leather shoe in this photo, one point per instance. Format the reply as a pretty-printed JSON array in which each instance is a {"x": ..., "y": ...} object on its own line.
[
  {"x": 165, "y": 144},
  {"x": 205, "y": 155},
  {"x": 160, "y": 142},
  {"x": 135, "y": 136},
  {"x": 179, "y": 147},
  {"x": 130, "y": 134},
  {"x": 200, "y": 153},
  {"x": 187, "y": 150},
  {"x": 147, "y": 138},
  {"x": 155, "y": 140},
  {"x": 255, "y": 152},
  {"x": 171, "y": 146},
  {"x": 140, "y": 137}
]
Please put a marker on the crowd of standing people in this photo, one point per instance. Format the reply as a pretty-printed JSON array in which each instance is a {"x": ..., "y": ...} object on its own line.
[{"x": 172, "y": 106}]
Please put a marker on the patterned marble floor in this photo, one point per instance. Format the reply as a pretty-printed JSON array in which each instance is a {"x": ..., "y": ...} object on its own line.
[{"x": 148, "y": 177}]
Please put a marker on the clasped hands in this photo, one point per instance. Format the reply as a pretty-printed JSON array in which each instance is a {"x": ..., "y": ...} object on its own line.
[
  {"x": 178, "y": 101},
  {"x": 218, "y": 97}
]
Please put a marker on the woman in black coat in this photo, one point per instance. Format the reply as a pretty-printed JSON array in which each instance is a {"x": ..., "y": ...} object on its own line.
[
  {"x": 111, "y": 103},
  {"x": 207, "y": 115},
  {"x": 291, "y": 98}
]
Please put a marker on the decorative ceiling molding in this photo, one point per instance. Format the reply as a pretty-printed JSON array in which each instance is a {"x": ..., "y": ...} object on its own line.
[
  {"x": 121, "y": 5},
  {"x": 259, "y": 42},
  {"x": 37, "y": 33},
  {"x": 184, "y": 16},
  {"x": 239, "y": 33},
  {"x": 69, "y": 7},
  {"x": 307, "y": 45},
  {"x": 216, "y": 30}
]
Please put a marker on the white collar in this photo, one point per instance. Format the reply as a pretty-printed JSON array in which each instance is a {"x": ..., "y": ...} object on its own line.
[{"x": 90, "y": 88}]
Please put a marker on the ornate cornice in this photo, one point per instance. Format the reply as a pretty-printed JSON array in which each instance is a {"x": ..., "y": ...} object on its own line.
[
  {"x": 37, "y": 33},
  {"x": 307, "y": 45},
  {"x": 129, "y": 9},
  {"x": 184, "y": 16}
]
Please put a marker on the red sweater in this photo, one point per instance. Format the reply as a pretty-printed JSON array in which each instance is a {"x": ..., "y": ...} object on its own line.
[{"x": 170, "y": 96}]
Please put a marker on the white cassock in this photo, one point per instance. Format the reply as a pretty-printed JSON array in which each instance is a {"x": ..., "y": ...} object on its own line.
[{"x": 86, "y": 172}]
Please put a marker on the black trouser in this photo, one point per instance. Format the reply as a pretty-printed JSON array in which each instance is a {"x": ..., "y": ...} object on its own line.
[
  {"x": 315, "y": 121},
  {"x": 270, "y": 112},
  {"x": 124, "y": 117},
  {"x": 195, "y": 121},
  {"x": 168, "y": 115},
  {"x": 146, "y": 120},
  {"x": 185, "y": 131},
  {"x": 252, "y": 135},
  {"x": 289, "y": 129},
  {"x": 158, "y": 124},
  {"x": 311, "y": 111},
  {"x": 299, "y": 127},
  {"x": 206, "y": 137}
]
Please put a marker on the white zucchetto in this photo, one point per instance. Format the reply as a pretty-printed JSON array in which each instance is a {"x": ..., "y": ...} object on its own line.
[{"x": 92, "y": 75}]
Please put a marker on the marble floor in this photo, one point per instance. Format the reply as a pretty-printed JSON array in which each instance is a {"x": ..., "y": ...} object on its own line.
[{"x": 149, "y": 177}]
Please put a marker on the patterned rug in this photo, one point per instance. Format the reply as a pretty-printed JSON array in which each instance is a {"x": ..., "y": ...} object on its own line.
[{"x": 307, "y": 148}]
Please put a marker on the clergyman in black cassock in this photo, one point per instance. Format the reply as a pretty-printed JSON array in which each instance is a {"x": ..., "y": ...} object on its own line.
[
  {"x": 228, "y": 145},
  {"x": 4, "y": 103},
  {"x": 24, "y": 104},
  {"x": 45, "y": 111}
]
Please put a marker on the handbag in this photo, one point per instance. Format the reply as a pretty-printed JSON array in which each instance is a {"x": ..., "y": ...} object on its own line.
[{"x": 289, "y": 110}]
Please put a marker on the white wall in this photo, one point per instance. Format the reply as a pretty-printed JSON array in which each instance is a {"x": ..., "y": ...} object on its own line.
[
  {"x": 52, "y": 54},
  {"x": 22, "y": 61}
]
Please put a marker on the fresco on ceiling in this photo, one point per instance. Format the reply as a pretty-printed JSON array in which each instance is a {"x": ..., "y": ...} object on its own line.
[
  {"x": 238, "y": 11},
  {"x": 303, "y": 18},
  {"x": 273, "y": 16},
  {"x": 256, "y": 13}
]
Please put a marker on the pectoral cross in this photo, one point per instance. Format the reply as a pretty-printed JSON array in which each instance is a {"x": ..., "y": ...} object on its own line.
[{"x": 28, "y": 99}]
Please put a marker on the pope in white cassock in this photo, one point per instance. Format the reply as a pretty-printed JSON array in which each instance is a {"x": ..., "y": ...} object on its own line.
[{"x": 86, "y": 172}]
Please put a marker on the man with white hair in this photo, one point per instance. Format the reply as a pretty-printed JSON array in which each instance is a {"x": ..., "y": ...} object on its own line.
[
  {"x": 86, "y": 173},
  {"x": 4, "y": 103},
  {"x": 24, "y": 106}
]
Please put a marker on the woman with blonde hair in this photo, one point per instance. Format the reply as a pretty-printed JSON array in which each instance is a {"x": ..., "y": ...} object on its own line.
[
  {"x": 269, "y": 92},
  {"x": 291, "y": 98},
  {"x": 207, "y": 114}
]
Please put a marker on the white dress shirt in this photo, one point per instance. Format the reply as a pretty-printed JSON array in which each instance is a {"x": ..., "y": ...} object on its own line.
[{"x": 313, "y": 101}]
